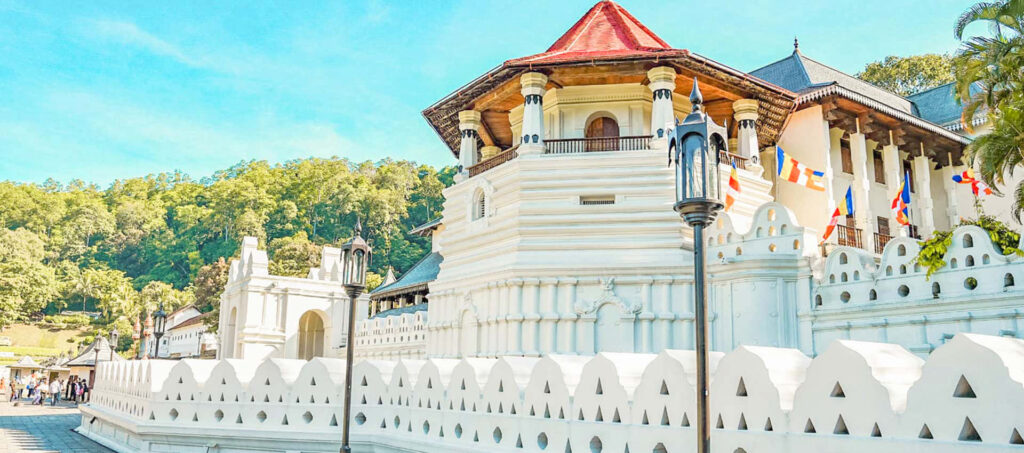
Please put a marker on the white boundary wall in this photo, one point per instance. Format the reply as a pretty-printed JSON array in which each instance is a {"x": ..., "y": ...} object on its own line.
[{"x": 854, "y": 397}]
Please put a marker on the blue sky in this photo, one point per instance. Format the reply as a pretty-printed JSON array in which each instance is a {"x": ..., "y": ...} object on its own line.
[{"x": 102, "y": 90}]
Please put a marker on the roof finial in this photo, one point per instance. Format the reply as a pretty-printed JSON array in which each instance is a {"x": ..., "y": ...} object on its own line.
[
  {"x": 796, "y": 44},
  {"x": 696, "y": 99},
  {"x": 358, "y": 230}
]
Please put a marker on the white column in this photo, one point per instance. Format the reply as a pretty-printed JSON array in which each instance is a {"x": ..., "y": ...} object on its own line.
[
  {"x": 469, "y": 124},
  {"x": 893, "y": 177},
  {"x": 952, "y": 206},
  {"x": 861, "y": 190},
  {"x": 531, "y": 317},
  {"x": 829, "y": 173},
  {"x": 923, "y": 187},
  {"x": 533, "y": 87},
  {"x": 548, "y": 315},
  {"x": 662, "y": 84},
  {"x": 745, "y": 113},
  {"x": 567, "y": 316}
]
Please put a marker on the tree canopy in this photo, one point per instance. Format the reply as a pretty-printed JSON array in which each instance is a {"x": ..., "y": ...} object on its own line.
[
  {"x": 165, "y": 238},
  {"x": 908, "y": 75}
]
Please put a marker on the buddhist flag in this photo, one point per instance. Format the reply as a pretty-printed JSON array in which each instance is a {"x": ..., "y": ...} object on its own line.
[
  {"x": 977, "y": 187},
  {"x": 793, "y": 171},
  {"x": 845, "y": 208},
  {"x": 900, "y": 204},
  {"x": 733, "y": 191}
]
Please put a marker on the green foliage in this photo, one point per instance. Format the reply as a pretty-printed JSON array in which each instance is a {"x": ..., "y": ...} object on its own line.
[
  {"x": 989, "y": 72},
  {"x": 67, "y": 320},
  {"x": 166, "y": 237},
  {"x": 933, "y": 250},
  {"x": 908, "y": 75}
]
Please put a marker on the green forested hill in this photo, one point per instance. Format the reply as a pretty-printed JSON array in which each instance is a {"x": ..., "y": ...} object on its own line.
[{"x": 161, "y": 238}]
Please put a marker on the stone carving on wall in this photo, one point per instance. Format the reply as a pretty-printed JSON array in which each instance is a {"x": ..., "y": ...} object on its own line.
[{"x": 607, "y": 296}]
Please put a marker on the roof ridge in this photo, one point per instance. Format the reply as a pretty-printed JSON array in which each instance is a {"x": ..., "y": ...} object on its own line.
[
  {"x": 852, "y": 77},
  {"x": 399, "y": 279},
  {"x": 930, "y": 89}
]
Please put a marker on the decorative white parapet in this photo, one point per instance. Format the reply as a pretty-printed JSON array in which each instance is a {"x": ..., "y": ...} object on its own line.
[
  {"x": 855, "y": 397},
  {"x": 893, "y": 300},
  {"x": 401, "y": 336}
]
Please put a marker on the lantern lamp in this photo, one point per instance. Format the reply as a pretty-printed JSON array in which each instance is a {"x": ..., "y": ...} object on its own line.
[
  {"x": 695, "y": 148},
  {"x": 355, "y": 258},
  {"x": 159, "y": 323}
]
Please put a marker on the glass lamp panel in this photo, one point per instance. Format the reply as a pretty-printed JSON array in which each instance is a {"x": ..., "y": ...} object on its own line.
[{"x": 360, "y": 267}]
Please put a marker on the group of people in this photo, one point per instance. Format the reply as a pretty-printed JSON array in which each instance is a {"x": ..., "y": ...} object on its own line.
[{"x": 38, "y": 390}]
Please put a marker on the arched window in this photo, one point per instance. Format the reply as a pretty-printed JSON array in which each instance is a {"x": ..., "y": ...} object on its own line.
[
  {"x": 311, "y": 335},
  {"x": 605, "y": 132},
  {"x": 479, "y": 205}
]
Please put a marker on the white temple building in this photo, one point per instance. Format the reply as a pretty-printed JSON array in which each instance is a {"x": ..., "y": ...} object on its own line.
[
  {"x": 555, "y": 310},
  {"x": 558, "y": 235}
]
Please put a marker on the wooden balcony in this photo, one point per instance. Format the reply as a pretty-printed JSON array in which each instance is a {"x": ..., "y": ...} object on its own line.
[
  {"x": 880, "y": 241},
  {"x": 848, "y": 236},
  {"x": 595, "y": 144},
  {"x": 728, "y": 158},
  {"x": 494, "y": 161}
]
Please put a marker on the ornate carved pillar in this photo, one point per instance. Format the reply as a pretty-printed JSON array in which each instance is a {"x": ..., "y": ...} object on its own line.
[
  {"x": 469, "y": 124},
  {"x": 533, "y": 87},
  {"x": 662, "y": 84},
  {"x": 745, "y": 113}
]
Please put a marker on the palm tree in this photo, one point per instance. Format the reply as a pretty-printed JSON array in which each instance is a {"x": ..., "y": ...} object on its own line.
[
  {"x": 85, "y": 286},
  {"x": 989, "y": 79}
]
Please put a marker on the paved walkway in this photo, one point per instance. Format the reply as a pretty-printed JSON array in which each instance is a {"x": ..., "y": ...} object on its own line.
[{"x": 43, "y": 428}]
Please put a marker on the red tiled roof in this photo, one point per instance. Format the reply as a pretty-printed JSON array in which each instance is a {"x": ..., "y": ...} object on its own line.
[{"x": 606, "y": 31}]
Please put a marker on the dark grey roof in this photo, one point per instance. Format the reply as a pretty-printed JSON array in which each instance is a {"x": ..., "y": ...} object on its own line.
[
  {"x": 940, "y": 106},
  {"x": 400, "y": 311},
  {"x": 426, "y": 228},
  {"x": 801, "y": 74},
  {"x": 421, "y": 273}
]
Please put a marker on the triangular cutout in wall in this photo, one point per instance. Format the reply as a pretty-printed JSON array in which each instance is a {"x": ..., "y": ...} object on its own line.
[
  {"x": 686, "y": 420},
  {"x": 664, "y": 417},
  {"x": 925, "y": 433},
  {"x": 837, "y": 391},
  {"x": 1015, "y": 438},
  {"x": 741, "y": 389},
  {"x": 968, "y": 433},
  {"x": 841, "y": 427},
  {"x": 742, "y": 426},
  {"x": 664, "y": 388},
  {"x": 615, "y": 417},
  {"x": 547, "y": 388},
  {"x": 334, "y": 420},
  {"x": 599, "y": 417},
  {"x": 964, "y": 389},
  {"x": 719, "y": 424},
  {"x": 600, "y": 390},
  {"x": 809, "y": 427},
  {"x": 876, "y": 431},
  {"x": 644, "y": 421},
  {"x": 284, "y": 421},
  {"x": 768, "y": 425}
]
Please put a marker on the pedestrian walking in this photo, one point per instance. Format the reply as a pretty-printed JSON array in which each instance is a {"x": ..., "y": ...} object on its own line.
[{"x": 54, "y": 392}]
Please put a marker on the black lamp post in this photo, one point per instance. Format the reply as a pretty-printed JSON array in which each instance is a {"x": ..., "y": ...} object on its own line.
[
  {"x": 694, "y": 148},
  {"x": 355, "y": 258},
  {"x": 113, "y": 343},
  {"x": 159, "y": 322}
]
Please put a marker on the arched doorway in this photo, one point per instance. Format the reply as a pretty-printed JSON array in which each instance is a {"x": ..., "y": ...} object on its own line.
[
  {"x": 603, "y": 133},
  {"x": 311, "y": 335}
]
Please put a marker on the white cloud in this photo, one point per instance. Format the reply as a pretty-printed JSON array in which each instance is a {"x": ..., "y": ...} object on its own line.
[{"x": 130, "y": 34}]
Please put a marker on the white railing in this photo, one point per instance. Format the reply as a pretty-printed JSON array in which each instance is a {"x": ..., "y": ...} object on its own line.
[{"x": 856, "y": 396}]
